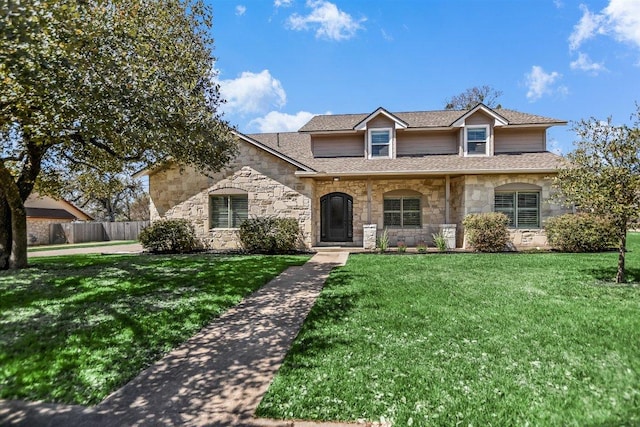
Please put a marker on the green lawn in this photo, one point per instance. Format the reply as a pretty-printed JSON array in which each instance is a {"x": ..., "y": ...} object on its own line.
[
  {"x": 75, "y": 328},
  {"x": 469, "y": 339}
]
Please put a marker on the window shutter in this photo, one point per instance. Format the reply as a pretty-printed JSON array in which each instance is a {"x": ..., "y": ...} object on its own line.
[
  {"x": 239, "y": 210},
  {"x": 528, "y": 210},
  {"x": 505, "y": 203},
  {"x": 219, "y": 212}
]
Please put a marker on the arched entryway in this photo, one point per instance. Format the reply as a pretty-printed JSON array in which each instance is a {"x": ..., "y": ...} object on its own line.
[{"x": 336, "y": 220}]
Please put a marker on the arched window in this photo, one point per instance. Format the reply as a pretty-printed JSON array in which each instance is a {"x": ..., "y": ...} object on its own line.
[{"x": 520, "y": 202}]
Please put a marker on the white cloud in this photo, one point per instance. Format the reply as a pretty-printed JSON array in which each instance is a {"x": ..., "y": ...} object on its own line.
[
  {"x": 240, "y": 10},
  {"x": 589, "y": 25},
  {"x": 541, "y": 83},
  {"x": 388, "y": 37},
  {"x": 624, "y": 20},
  {"x": 621, "y": 18},
  {"x": 282, "y": 3},
  {"x": 281, "y": 122},
  {"x": 585, "y": 63},
  {"x": 252, "y": 93},
  {"x": 329, "y": 21}
]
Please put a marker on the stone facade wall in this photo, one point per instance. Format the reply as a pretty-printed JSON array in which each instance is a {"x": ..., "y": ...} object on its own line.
[
  {"x": 38, "y": 230},
  {"x": 270, "y": 184},
  {"x": 432, "y": 206},
  {"x": 479, "y": 197}
]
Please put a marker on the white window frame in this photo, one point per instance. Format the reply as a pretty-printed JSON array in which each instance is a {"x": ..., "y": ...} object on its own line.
[
  {"x": 230, "y": 211},
  {"x": 369, "y": 143},
  {"x": 487, "y": 129}
]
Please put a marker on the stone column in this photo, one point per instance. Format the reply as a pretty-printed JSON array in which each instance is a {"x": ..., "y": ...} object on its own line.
[
  {"x": 369, "y": 236},
  {"x": 449, "y": 233}
]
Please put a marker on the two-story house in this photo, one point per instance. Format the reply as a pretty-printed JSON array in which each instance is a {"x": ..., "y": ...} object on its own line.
[{"x": 346, "y": 176}]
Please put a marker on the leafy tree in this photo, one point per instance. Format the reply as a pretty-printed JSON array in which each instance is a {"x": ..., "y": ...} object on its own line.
[
  {"x": 106, "y": 196},
  {"x": 603, "y": 175},
  {"x": 101, "y": 82},
  {"x": 473, "y": 96}
]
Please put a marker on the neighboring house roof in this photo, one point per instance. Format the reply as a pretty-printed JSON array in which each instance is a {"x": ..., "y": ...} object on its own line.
[
  {"x": 49, "y": 213},
  {"x": 298, "y": 146},
  {"x": 38, "y": 206},
  {"x": 423, "y": 119}
]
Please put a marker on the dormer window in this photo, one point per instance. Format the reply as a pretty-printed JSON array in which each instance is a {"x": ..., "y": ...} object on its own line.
[
  {"x": 476, "y": 140},
  {"x": 380, "y": 143}
]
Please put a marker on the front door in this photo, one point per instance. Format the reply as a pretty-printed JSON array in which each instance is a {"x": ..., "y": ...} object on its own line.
[{"x": 336, "y": 221}]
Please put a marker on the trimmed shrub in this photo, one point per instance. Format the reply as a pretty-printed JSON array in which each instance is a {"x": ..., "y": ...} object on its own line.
[
  {"x": 270, "y": 235},
  {"x": 170, "y": 236},
  {"x": 487, "y": 232},
  {"x": 580, "y": 233}
]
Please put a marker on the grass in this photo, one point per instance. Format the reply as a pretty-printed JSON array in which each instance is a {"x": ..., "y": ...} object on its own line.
[
  {"x": 78, "y": 245},
  {"x": 75, "y": 328},
  {"x": 462, "y": 339}
]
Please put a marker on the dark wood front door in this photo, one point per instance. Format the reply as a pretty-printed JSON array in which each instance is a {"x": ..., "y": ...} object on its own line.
[{"x": 336, "y": 222}]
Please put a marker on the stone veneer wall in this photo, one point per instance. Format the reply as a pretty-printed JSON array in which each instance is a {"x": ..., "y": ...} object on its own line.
[
  {"x": 38, "y": 230},
  {"x": 479, "y": 197},
  {"x": 433, "y": 207},
  {"x": 271, "y": 186}
]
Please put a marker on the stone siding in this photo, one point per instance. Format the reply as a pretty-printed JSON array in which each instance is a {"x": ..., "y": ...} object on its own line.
[
  {"x": 270, "y": 184},
  {"x": 479, "y": 198},
  {"x": 432, "y": 206},
  {"x": 38, "y": 230}
]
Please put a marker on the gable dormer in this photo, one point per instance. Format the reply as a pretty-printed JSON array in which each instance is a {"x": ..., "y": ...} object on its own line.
[
  {"x": 477, "y": 130},
  {"x": 380, "y": 134}
]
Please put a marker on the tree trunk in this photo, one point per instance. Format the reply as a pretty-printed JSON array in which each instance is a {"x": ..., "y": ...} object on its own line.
[
  {"x": 18, "y": 219},
  {"x": 5, "y": 234},
  {"x": 18, "y": 258},
  {"x": 621, "y": 254}
]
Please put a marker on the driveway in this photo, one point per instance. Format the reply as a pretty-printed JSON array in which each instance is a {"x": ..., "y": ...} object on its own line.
[{"x": 78, "y": 249}]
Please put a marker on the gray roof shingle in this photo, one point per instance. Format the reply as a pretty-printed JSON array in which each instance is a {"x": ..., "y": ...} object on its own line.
[
  {"x": 298, "y": 146},
  {"x": 419, "y": 119}
]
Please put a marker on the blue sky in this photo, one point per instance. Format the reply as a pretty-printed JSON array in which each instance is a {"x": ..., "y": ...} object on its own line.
[{"x": 282, "y": 61}]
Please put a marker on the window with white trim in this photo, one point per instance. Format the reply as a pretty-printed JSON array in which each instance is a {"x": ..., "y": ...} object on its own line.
[
  {"x": 522, "y": 207},
  {"x": 402, "y": 212},
  {"x": 476, "y": 140},
  {"x": 228, "y": 211},
  {"x": 380, "y": 143}
]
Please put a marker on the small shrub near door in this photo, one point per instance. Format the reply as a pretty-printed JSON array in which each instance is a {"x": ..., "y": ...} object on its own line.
[
  {"x": 487, "y": 232},
  {"x": 580, "y": 233},
  {"x": 269, "y": 235},
  {"x": 170, "y": 236}
]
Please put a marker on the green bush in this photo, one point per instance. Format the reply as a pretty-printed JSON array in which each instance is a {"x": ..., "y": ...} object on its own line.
[
  {"x": 269, "y": 235},
  {"x": 170, "y": 236},
  {"x": 580, "y": 233},
  {"x": 487, "y": 232}
]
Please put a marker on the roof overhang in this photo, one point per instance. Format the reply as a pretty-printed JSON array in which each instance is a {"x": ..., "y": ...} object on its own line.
[
  {"x": 398, "y": 123},
  {"x": 435, "y": 172},
  {"x": 270, "y": 150},
  {"x": 498, "y": 119}
]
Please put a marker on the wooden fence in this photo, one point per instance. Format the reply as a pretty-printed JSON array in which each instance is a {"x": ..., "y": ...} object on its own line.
[{"x": 82, "y": 232}]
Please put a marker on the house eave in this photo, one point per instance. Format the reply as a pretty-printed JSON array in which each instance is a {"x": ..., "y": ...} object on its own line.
[{"x": 435, "y": 172}]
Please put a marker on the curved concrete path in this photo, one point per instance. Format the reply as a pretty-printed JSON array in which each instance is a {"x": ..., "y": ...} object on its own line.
[{"x": 216, "y": 378}]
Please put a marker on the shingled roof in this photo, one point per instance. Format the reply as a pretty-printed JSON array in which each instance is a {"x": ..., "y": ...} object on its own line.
[
  {"x": 420, "y": 119},
  {"x": 298, "y": 146}
]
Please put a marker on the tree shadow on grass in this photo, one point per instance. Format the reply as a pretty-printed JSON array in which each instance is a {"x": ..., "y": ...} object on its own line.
[
  {"x": 332, "y": 308},
  {"x": 606, "y": 276}
]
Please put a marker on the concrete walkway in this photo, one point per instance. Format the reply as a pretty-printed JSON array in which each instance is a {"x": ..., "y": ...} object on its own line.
[{"x": 218, "y": 377}]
